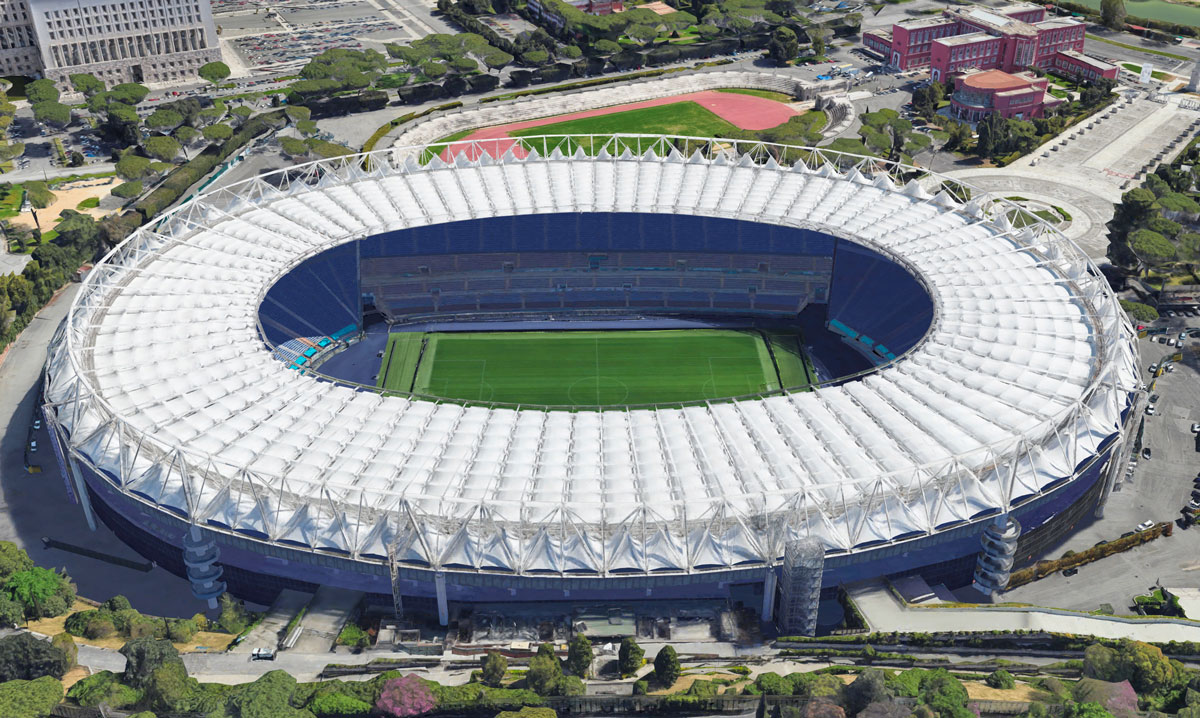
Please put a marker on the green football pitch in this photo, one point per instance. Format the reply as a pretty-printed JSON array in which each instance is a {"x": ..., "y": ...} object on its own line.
[{"x": 587, "y": 368}]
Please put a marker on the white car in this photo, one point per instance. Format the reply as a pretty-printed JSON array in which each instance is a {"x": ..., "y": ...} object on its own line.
[
  {"x": 1150, "y": 410},
  {"x": 1145, "y": 526},
  {"x": 1196, "y": 428},
  {"x": 1194, "y": 504},
  {"x": 1170, "y": 367}
]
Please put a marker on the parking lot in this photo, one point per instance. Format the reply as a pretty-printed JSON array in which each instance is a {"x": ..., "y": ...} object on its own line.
[{"x": 1156, "y": 489}]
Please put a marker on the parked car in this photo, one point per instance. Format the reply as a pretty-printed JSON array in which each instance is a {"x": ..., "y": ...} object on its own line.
[
  {"x": 1194, "y": 504},
  {"x": 262, "y": 654},
  {"x": 37, "y": 424},
  {"x": 1154, "y": 398},
  {"x": 1196, "y": 430},
  {"x": 1145, "y": 526},
  {"x": 1146, "y": 453},
  {"x": 1150, "y": 410},
  {"x": 33, "y": 447},
  {"x": 1153, "y": 367},
  {"x": 1170, "y": 367}
]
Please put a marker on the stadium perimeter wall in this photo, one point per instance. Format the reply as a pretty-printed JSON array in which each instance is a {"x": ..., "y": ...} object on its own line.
[
  {"x": 827, "y": 95},
  {"x": 257, "y": 570}
]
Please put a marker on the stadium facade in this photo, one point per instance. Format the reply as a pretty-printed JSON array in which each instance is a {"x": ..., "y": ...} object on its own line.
[{"x": 1000, "y": 376}]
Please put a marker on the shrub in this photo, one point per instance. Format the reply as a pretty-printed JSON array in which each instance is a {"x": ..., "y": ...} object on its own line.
[
  {"x": 99, "y": 627},
  {"x": 702, "y": 688},
  {"x": 127, "y": 190},
  {"x": 640, "y": 688},
  {"x": 103, "y": 688},
  {"x": 66, "y": 644},
  {"x": 338, "y": 705},
  {"x": 352, "y": 635},
  {"x": 494, "y": 667},
  {"x": 181, "y": 630},
  {"x": 146, "y": 627},
  {"x": 1000, "y": 678},
  {"x": 30, "y": 699}
]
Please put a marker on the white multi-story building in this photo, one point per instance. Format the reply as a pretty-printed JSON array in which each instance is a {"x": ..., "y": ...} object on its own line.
[{"x": 146, "y": 41}]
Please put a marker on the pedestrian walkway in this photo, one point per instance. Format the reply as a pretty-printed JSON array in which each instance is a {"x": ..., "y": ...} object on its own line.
[
  {"x": 330, "y": 609},
  {"x": 269, "y": 631},
  {"x": 885, "y": 614}
]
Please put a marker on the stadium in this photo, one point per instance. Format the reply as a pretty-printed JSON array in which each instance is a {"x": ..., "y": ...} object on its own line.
[{"x": 597, "y": 368}]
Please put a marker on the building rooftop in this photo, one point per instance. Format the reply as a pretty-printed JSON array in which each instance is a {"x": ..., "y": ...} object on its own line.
[
  {"x": 924, "y": 22},
  {"x": 1093, "y": 62},
  {"x": 995, "y": 80},
  {"x": 1000, "y": 23},
  {"x": 968, "y": 39},
  {"x": 1056, "y": 22}
]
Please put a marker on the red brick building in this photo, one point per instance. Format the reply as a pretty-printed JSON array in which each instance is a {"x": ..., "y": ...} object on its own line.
[
  {"x": 980, "y": 93},
  {"x": 1011, "y": 39}
]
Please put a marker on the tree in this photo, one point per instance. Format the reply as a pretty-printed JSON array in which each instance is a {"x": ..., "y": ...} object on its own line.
[
  {"x": 1085, "y": 710},
  {"x": 1152, "y": 249},
  {"x": 544, "y": 674},
  {"x": 816, "y": 36},
  {"x": 40, "y": 591},
  {"x": 213, "y": 72},
  {"x": 164, "y": 120},
  {"x": 1112, "y": 14},
  {"x": 233, "y": 617},
  {"x": 54, "y": 114},
  {"x": 629, "y": 656},
  {"x": 308, "y": 128},
  {"x": 186, "y": 135},
  {"x": 869, "y": 687},
  {"x": 132, "y": 167},
  {"x": 958, "y": 135},
  {"x": 169, "y": 689},
  {"x": 87, "y": 83},
  {"x": 103, "y": 688},
  {"x": 666, "y": 666},
  {"x": 11, "y": 612},
  {"x": 267, "y": 697},
  {"x": 1136, "y": 206},
  {"x": 404, "y": 697},
  {"x": 41, "y": 91},
  {"x": 12, "y": 559},
  {"x": 579, "y": 655},
  {"x": 23, "y": 657},
  {"x": 783, "y": 47},
  {"x": 143, "y": 656},
  {"x": 218, "y": 132},
  {"x": 162, "y": 148},
  {"x": 494, "y": 667},
  {"x": 606, "y": 47},
  {"x": 75, "y": 159},
  {"x": 30, "y": 699},
  {"x": 1001, "y": 678},
  {"x": 944, "y": 695},
  {"x": 128, "y": 93},
  {"x": 887, "y": 709},
  {"x": 293, "y": 147}
]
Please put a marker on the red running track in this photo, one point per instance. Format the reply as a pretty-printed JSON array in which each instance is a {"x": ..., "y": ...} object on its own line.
[{"x": 748, "y": 112}]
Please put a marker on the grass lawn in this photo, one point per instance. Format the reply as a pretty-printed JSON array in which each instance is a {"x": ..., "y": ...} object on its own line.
[
  {"x": 436, "y": 148},
  {"x": 596, "y": 368},
  {"x": 1137, "y": 69},
  {"x": 679, "y": 118},
  {"x": 1171, "y": 55},
  {"x": 768, "y": 94},
  {"x": 400, "y": 361}
]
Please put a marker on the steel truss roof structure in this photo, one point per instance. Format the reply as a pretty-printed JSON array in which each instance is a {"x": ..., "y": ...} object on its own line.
[{"x": 161, "y": 379}]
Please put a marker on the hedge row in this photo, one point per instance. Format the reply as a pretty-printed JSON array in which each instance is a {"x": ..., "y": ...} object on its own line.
[{"x": 1044, "y": 568}]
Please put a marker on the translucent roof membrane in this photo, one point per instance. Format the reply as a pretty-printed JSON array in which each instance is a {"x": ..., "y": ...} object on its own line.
[{"x": 161, "y": 379}]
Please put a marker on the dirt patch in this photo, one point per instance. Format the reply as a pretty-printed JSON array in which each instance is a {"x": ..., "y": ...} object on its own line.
[
  {"x": 203, "y": 641},
  {"x": 1022, "y": 692},
  {"x": 73, "y": 676},
  {"x": 66, "y": 199},
  {"x": 685, "y": 682}
]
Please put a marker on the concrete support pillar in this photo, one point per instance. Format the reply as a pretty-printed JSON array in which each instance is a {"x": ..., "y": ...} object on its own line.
[
  {"x": 81, "y": 491},
  {"x": 439, "y": 582},
  {"x": 768, "y": 606}
]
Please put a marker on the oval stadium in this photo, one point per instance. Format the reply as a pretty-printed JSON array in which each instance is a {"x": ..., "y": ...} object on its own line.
[{"x": 594, "y": 369}]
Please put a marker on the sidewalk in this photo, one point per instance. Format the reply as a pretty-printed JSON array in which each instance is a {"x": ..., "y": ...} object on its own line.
[{"x": 885, "y": 614}]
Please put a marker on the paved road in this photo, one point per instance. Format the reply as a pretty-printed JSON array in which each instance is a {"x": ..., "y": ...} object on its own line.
[{"x": 37, "y": 505}]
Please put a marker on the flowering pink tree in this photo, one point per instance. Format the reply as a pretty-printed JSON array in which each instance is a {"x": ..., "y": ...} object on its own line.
[{"x": 406, "y": 696}]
